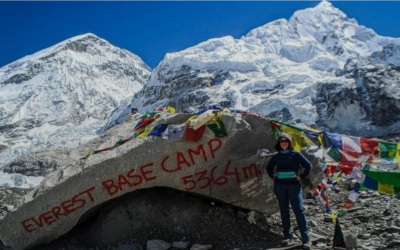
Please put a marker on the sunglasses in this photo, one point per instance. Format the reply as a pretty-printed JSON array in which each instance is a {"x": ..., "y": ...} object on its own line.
[{"x": 284, "y": 141}]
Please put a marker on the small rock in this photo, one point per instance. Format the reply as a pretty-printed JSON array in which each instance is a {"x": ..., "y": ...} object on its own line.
[
  {"x": 157, "y": 245},
  {"x": 313, "y": 223},
  {"x": 201, "y": 247},
  {"x": 395, "y": 243},
  {"x": 315, "y": 238},
  {"x": 376, "y": 232},
  {"x": 258, "y": 219},
  {"x": 180, "y": 244},
  {"x": 393, "y": 229},
  {"x": 328, "y": 218},
  {"x": 364, "y": 236},
  {"x": 366, "y": 247},
  {"x": 397, "y": 221},
  {"x": 376, "y": 194},
  {"x": 351, "y": 241},
  {"x": 387, "y": 212}
]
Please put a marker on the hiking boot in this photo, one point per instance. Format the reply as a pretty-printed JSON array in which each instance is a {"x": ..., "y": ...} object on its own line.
[
  {"x": 286, "y": 242},
  {"x": 307, "y": 245}
]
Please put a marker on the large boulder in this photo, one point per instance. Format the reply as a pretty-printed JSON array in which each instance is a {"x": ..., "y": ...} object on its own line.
[{"x": 229, "y": 169}]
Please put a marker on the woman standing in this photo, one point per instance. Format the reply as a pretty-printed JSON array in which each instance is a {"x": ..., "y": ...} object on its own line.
[{"x": 284, "y": 168}]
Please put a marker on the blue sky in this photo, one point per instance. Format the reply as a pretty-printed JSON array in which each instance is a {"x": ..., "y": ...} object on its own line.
[{"x": 151, "y": 29}]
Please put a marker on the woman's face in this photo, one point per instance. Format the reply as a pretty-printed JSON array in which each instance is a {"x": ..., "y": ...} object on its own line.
[{"x": 284, "y": 143}]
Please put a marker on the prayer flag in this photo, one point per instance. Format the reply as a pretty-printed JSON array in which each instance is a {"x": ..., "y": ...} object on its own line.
[
  {"x": 385, "y": 177},
  {"x": 158, "y": 130},
  {"x": 356, "y": 174},
  {"x": 171, "y": 109},
  {"x": 384, "y": 188},
  {"x": 312, "y": 136},
  {"x": 332, "y": 140},
  {"x": 388, "y": 150},
  {"x": 146, "y": 131},
  {"x": 297, "y": 136},
  {"x": 218, "y": 128},
  {"x": 338, "y": 238},
  {"x": 194, "y": 135},
  {"x": 174, "y": 132},
  {"x": 370, "y": 183},
  {"x": 369, "y": 146}
]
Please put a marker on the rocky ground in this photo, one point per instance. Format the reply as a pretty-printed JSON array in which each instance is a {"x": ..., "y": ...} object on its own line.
[
  {"x": 372, "y": 223},
  {"x": 9, "y": 198}
]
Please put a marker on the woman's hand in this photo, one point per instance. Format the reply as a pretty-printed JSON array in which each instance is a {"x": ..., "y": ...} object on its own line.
[{"x": 298, "y": 178}]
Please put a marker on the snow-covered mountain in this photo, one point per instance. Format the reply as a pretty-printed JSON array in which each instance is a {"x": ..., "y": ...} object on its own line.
[
  {"x": 60, "y": 96},
  {"x": 278, "y": 69},
  {"x": 319, "y": 68}
]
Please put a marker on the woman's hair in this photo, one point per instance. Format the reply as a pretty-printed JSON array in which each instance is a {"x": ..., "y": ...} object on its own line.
[{"x": 278, "y": 144}]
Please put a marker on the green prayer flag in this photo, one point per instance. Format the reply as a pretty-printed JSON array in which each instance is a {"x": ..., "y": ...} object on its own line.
[
  {"x": 388, "y": 150},
  {"x": 219, "y": 131},
  {"x": 342, "y": 213},
  {"x": 388, "y": 178},
  {"x": 334, "y": 153},
  {"x": 276, "y": 132}
]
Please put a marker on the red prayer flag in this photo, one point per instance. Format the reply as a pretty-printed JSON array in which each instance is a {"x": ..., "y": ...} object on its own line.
[
  {"x": 194, "y": 135},
  {"x": 369, "y": 146}
]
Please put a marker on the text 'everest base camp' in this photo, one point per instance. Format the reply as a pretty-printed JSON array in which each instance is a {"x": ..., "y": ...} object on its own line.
[
  {"x": 98, "y": 151},
  {"x": 225, "y": 169}
]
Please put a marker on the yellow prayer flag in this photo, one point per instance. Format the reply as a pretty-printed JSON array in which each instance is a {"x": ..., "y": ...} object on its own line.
[
  {"x": 397, "y": 157},
  {"x": 89, "y": 154},
  {"x": 145, "y": 132},
  {"x": 333, "y": 217},
  {"x": 189, "y": 121},
  {"x": 296, "y": 136},
  {"x": 384, "y": 188},
  {"x": 321, "y": 140},
  {"x": 171, "y": 109}
]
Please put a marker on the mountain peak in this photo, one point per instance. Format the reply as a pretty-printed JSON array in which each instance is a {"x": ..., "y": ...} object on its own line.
[
  {"x": 74, "y": 84},
  {"x": 89, "y": 34},
  {"x": 324, "y": 12},
  {"x": 324, "y": 4},
  {"x": 66, "y": 44},
  {"x": 83, "y": 37}
]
